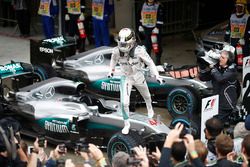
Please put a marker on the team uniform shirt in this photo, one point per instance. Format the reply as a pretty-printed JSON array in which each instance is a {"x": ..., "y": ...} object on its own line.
[
  {"x": 133, "y": 65},
  {"x": 74, "y": 6},
  {"x": 44, "y": 8},
  {"x": 98, "y": 9},
  {"x": 238, "y": 26},
  {"x": 149, "y": 15}
]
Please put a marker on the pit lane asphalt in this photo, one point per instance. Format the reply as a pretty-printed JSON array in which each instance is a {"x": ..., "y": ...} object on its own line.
[{"x": 177, "y": 50}]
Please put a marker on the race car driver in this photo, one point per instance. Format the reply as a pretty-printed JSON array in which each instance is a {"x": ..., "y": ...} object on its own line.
[{"x": 132, "y": 58}]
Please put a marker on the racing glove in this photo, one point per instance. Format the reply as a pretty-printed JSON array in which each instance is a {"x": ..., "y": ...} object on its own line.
[
  {"x": 110, "y": 75},
  {"x": 81, "y": 17},
  {"x": 141, "y": 29},
  {"x": 160, "y": 80},
  {"x": 155, "y": 30},
  {"x": 67, "y": 17}
]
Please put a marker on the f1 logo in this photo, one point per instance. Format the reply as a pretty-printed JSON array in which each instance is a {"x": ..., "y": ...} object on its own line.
[
  {"x": 210, "y": 104},
  {"x": 247, "y": 62}
]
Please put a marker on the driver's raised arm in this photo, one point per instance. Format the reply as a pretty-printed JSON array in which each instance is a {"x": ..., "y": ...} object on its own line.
[{"x": 147, "y": 60}]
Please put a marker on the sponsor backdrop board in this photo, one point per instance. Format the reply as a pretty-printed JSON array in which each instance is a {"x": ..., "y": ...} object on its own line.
[
  {"x": 209, "y": 108},
  {"x": 245, "y": 84}
]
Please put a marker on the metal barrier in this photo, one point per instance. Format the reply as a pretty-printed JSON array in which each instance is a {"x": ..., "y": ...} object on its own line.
[{"x": 179, "y": 15}]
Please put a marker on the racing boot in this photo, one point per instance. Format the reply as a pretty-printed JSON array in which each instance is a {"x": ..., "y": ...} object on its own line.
[{"x": 125, "y": 130}]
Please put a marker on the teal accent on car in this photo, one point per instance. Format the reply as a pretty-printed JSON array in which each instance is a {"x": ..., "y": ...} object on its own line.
[
  {"x": 11, "y": 69},
  {"x": 156, "y": 85},
  {"x": 93, "y": 125},
  {"x": 101, "y": 126},
  {"x": 107, "y": 84},
  {"x": 56, "y": 125},
  {"x": 56, "y": 42}
]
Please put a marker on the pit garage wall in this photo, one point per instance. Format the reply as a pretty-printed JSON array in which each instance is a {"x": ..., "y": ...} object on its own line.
[
  {"x": 179, "y": 15},
  {"x": 124, "y": 14}
]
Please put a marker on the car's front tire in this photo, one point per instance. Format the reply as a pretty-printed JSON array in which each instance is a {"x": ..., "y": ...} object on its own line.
[
  {"x": 181, "y": 102},
  {"x": 121, "y": 142}
]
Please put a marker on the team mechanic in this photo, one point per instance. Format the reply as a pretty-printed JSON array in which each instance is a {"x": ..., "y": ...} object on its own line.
[
  {"x": 238, "y": 30},
  {"x": 151, "y": 23},
  {"x": 132, "y": 59}
]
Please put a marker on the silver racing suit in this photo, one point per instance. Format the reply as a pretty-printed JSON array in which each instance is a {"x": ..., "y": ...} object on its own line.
[{"x": 132, "y": 65}]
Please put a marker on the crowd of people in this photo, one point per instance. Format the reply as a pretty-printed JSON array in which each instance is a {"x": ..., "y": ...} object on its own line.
[{"x": 179, "y": 149}]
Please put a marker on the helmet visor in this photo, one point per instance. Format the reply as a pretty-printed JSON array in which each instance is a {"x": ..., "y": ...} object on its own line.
[{"x": 123, "y": 44}]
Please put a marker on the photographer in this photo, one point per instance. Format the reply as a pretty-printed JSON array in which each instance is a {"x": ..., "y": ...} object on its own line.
[
  {"x": 95, "y": 153},
  {"x": 173, "y": 137},
  {"x": 37, "y": 156},
  {"x": 224, "y": 146},
  {"x": 154, "y": 157},
  {"x": 224, "y": 80},
  {"x": 55, "y": 155},
  {"x": 11, "y": 154},
  {"x": 137, "y": 158},
  {"x": 120, "y": 159}
]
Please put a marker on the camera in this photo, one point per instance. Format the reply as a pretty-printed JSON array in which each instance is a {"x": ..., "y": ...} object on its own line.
[
  {"x": 62, "y": 149},
  {"x": 81, "y": 147}
]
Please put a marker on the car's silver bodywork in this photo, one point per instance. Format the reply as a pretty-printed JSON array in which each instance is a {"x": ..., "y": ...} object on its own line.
[{"x": 49, "y": 103}]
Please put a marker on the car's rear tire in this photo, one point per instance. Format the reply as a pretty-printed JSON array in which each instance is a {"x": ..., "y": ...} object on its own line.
[
  {"x": 44, "y": 71},
  {"x": 191, "y": 126},
  {"x": 181, "y": 102},
  {"x": 120, "y": 142}
]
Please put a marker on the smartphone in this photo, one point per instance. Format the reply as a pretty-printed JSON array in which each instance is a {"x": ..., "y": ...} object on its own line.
[
  {"x": 30, "y": 149},
  {"x": 41, "y": 140},
  {"x": 81, "y": 147},
  {"x": 62, "y": 149}
]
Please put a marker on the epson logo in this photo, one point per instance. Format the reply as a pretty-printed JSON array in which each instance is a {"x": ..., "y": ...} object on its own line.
[{"x": 45, "y": 50}]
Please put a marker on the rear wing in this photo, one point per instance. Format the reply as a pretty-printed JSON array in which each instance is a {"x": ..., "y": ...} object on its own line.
[
  {"x": 13, "y": 69},
  {"x": 45, "y": 51}
]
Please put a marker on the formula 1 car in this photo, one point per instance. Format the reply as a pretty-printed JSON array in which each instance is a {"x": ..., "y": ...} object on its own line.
[
  {"x": 180, "y": 95},
  {"x": 61, "y": 110},
  {"x": 214, "y": 37}
]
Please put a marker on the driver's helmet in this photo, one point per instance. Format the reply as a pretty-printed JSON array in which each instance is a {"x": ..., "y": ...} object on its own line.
[
  {"x": 240, "y": 6},
  {"x": 126, "y": 39}
]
